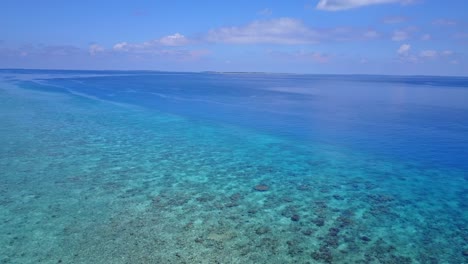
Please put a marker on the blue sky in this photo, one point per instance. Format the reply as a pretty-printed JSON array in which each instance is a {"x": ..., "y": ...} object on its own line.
[{"x": 314, "y": 36}]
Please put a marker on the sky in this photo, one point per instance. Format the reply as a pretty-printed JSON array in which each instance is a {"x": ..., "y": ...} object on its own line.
[{"x": 397, "y": 37}]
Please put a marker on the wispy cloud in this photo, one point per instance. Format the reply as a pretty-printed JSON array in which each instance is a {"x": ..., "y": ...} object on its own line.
[
  {"x": 95, "y": 49},
  {"x": 400, "y": 35},
  {"x": 152, "y": 45},
  {"x": 426, "y": 37},
  {"x": 272, "y": 31},
  {"x": 58, "y": 50},
  {"x": 276, "y": 31},
  {"x": 444, "y": 22},
  {"x": 394, "y": 19},
  {"x": 406, "y": 54},
  {"x": 43, "y": 51},
  {"x": 461, "y": 35},
  {"x": 174, "y": 40},
  {"x": 432, "y": 54},
  {"x": 175, "y": 47},
  {"x": 428, "y": 54},
  {"x": 182, "y": 54},
  {"x": 404, "y": 49},
  {"x": 148, "y": 51},
  {"x": 285, "y": 31},
  {"x": 447, "y": 52},
  {"x": 301, "y": 55},
  {"x": 265, "y": 12},
  {"x": 123, "y": 46},
  {"x": 404, "y": 33},
  {"x": 337, "y": 5},
  {"x": 370, "y": 34}
]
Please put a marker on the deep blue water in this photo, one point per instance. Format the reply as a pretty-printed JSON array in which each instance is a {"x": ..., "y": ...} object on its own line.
[
  {"x": 421, "y": 118},
  {"x": 162, "y": 167}
]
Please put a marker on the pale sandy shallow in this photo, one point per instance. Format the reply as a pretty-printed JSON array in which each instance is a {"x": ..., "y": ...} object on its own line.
[{"x": 83, "y": 181}]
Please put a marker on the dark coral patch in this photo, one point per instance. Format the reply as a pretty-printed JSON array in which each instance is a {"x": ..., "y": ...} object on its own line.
[
  {"x": 295, "y": 218},
  {"x": 261, "y": 188}
]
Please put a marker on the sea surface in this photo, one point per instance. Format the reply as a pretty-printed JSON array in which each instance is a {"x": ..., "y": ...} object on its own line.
[{"x": 169, "y": 167}]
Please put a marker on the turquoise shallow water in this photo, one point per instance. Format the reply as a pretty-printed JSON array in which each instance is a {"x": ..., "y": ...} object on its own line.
[{"x": 87, "y": 179}]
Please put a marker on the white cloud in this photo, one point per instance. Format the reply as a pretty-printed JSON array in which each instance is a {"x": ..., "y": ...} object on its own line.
[
  {"x": 265, "y": 12},
  {"x": 371, "y": 34},
  {"x": 61, "y": 50},
  {"x": 461, "y": 35},
  {"x": 302, "y": 55},
  {"x": 285, "y": 31},
  {"x": 447, "y": 52},
  {"x": 167, "y": 47},
  {"x": 432, "y": 54},
  {"x": 426, "y": 37},
  {"x": 277, "y": 31},
  {"x": 122, "y": 46},
  {"x": 428, "y": 54},
  {"x": 45, "y": 51},
  {"x": 174, "y": 40},
  {"x": 394, "y": 20},
  {"x": 337, "y": 5},
  {"x": 152, "y": 46},
  {"x": 404, "y": 49},
  {"x": 95, "y": 49},
  {"x": 444, "y": 22},
  {"x": 405, "y": 54},
  {"x": 400, "y": 35}
]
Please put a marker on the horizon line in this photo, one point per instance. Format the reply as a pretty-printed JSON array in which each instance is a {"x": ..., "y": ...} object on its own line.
[{"x": 234, "y": 72}]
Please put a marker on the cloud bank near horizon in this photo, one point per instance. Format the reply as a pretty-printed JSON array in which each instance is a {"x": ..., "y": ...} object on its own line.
[
  {"x": 365, "y": 39},
  {"x": 339, "y": 5}
]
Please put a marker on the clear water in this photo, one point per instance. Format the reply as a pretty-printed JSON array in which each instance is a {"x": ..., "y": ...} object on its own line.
[{"x": 148, "y": 167}]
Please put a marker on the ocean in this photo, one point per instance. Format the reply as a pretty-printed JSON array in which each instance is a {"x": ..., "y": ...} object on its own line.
[{"x": 174, "y": 167}]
